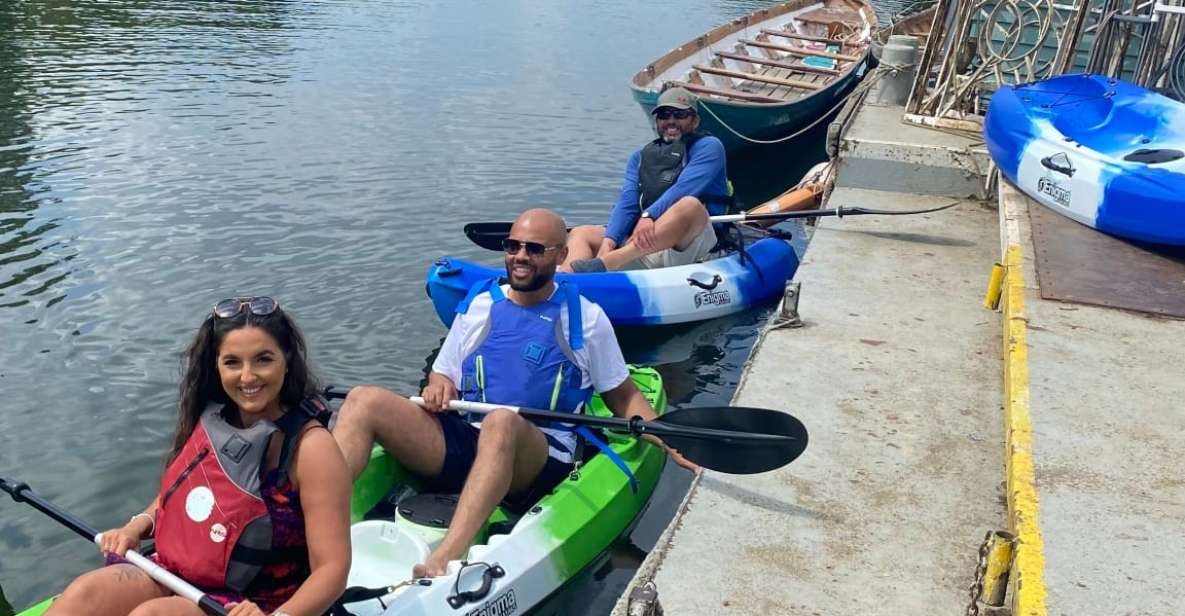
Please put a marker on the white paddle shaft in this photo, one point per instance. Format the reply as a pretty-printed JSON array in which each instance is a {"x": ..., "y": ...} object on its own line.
[
  {"x": 160, "y": 574},
  {"x": 469, "y": 407}
]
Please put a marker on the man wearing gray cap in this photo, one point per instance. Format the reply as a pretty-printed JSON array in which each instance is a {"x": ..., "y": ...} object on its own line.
[{"x": 671, "y": 185}]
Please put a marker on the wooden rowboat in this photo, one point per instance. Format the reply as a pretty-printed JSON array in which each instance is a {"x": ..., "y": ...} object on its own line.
[{"x": 769, "y": 74}]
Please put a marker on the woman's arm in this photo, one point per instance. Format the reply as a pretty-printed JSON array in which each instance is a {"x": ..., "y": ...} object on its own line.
[
  {"x": 141, "y": 526},
  {"x": 324, "y": 484}
]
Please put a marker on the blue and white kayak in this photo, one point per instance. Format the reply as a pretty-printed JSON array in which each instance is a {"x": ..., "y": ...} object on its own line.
[
  {"x": 1104, "y": 152},
  {"x": 679, "y": 294}
]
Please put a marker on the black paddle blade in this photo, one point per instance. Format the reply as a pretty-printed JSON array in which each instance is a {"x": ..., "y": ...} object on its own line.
[
  {"x": 488, "y": 235},
  {"x": 745, "y": 440},
  {"x": 851, "y": 211}
]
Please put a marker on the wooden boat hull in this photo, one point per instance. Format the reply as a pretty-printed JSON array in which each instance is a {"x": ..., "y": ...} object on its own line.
[
  {"x": 770, "y": 74},
  {"x": 764, "y": 122}
]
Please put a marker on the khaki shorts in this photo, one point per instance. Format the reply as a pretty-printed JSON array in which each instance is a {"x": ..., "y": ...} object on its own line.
[{"x": 697, "y": 251}]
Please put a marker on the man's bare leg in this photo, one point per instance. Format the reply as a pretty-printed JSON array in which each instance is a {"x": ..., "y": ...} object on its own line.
[
  {"x": 584, "y": 242},
  {"x": 510, "y": 454},
  {"x": 409, "y": 433},
  {"x": 677, "y": 228}
]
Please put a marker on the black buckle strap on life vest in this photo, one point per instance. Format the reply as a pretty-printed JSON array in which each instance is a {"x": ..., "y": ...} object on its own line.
[{"x": 292, "y": 424}]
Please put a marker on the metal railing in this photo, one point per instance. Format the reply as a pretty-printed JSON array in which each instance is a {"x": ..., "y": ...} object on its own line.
[
  {"x": 976, "y": 46},
  {"x": 1153, "y": 33}
]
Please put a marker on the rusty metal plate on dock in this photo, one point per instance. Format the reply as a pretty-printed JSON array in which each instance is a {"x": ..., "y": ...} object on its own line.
[{"x": 1078, "y": 264}]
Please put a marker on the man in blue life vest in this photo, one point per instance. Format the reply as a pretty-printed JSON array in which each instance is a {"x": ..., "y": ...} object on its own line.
[
  {"x": 530, "y": 343},
  {"x": 661, "y": 215}
]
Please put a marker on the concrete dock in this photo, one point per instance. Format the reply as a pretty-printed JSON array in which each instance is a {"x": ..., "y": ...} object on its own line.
[
  {"x": 1105, "y": 399},
  {"x": 934, "y": 420}
]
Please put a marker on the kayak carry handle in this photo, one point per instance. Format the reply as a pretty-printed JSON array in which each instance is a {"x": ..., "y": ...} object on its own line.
[
  {"x": 709, "y": 286},
  {"x": 488, "y": 575},
  {"x": 1062, "y": 166}
]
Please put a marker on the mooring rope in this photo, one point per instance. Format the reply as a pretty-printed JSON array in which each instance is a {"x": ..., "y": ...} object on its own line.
[{"x": 865, "y": 85}]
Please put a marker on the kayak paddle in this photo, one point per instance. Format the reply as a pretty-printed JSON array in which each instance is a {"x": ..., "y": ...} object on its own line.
[
  {"x": 489, "y": 235},
  {"x": 730, "y": 439},
  {"x": 21, "y": 493}
]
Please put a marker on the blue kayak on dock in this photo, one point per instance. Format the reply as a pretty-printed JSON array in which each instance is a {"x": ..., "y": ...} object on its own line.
[
  {"x": 1103, "y": 152},
  {"x": 681, "y": 294}
]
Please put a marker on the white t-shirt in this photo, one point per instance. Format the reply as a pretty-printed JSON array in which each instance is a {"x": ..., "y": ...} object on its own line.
[{"x": 600, "y": 361}]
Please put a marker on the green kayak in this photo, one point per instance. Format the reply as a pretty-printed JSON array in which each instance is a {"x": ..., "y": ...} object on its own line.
[{"x": 517, "y": 561}]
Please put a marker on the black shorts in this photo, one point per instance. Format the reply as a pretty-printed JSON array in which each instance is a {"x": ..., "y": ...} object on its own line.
[{"x": 460, "y": 449}]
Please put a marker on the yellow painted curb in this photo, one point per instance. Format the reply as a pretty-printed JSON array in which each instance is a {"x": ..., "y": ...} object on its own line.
[{"x": 1028, "y": 567}]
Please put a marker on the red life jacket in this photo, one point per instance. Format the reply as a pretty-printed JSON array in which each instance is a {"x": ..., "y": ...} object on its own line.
[{"x": 212, "y": 525}]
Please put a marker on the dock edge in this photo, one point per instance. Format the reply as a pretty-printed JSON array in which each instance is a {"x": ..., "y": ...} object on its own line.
[{"x": 1028, "y": 567}]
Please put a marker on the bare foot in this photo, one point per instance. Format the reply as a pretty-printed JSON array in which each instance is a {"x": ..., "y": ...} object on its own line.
[{"x": 435, "y": 566}]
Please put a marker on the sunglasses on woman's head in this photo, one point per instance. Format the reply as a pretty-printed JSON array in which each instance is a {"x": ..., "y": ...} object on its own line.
[
  {"x": 678, "y": 114},
  {"x": 259, "y": 306},
  {"x": 534, "y": 249}
]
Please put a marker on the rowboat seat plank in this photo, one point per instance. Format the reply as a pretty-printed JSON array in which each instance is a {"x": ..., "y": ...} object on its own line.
[
  {"x": 778, "y": 91},
  {"x": 737, "y": 94},
  {"x": 748, "y": 60},
  {"x": 798, "y": 51},
  {"x": 791, "y": 83},
  {"x": 803, "y": 37}
]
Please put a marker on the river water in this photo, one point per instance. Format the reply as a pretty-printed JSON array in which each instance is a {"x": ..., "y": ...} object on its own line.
[{"x": 156, "y": 156}]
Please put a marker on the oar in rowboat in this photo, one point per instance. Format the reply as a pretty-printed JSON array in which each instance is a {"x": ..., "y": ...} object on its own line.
[
  {"x": 489, "y": 235},
  {"x": 21, "y": 493},
  {"x": 729, "y": 439}
]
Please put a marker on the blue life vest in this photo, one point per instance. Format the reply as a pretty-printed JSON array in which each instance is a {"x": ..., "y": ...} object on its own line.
[{"x": 523, "y": 359}]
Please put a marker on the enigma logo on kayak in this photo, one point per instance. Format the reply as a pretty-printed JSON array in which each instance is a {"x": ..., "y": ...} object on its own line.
[
  {"x": 1050, "y": 188},
  {"x": 502, "y": 605},
  {"x": 712, "y": 298}
]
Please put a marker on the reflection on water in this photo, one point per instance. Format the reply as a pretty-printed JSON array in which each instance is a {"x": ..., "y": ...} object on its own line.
[{"x": 157, "y": 156}]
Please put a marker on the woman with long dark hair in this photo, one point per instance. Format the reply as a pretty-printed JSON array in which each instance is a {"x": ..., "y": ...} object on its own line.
[{"x": 254, "y": 501}]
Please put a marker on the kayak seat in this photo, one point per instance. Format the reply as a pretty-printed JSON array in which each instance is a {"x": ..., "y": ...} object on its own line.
[
  {"x": 431, "y": 510},
  {"x": 436, "y": 511}
]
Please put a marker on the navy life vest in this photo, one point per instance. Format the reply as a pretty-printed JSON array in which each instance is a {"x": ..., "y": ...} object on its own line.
[
  {"x": 212, "y": 525},
  {"x": 661, "y": 164}
]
